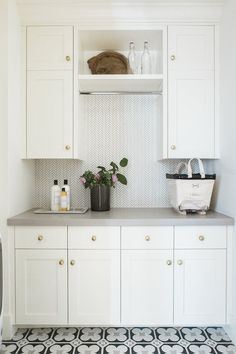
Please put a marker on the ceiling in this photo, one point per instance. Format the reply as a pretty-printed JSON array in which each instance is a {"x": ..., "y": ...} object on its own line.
[{"x": 201, "y": 2}]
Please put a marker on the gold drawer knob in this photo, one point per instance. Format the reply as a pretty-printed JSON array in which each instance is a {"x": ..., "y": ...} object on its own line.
[
  {"x": 40, "y": 237},
  {"x": 72, "y": 262},
  {"x": 147, "y": 238},
  {"x": 67, "y": 58},
  {"x": 61, "y": 262},
  {"x": 169, "y": 262},
  {"x": 180, "y": 262},
  {"x": 172, "y": 57},
  {"x": 201, "y": 238},
  {"x": 93, "y": 238},
  {"x": 67, "y": 147}
]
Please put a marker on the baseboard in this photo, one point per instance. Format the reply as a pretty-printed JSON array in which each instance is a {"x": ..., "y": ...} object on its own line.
[
  {"x": 8, "y": 328},
  {"x": 231, "y": 332}
]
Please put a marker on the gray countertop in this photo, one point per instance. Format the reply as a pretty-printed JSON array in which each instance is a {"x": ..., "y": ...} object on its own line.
[{"x": 121, "y": 217}]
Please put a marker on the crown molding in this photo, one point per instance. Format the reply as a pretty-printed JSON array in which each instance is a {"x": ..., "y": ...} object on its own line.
[{"x": 117, "y": 13}]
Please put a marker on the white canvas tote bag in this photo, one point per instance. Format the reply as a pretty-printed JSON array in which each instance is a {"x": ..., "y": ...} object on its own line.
[{"x": 190, "y": 192}]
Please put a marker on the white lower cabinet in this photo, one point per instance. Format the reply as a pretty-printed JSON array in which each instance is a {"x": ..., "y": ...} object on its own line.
[
  {"x": 99, "y": 276},
  {"x": 94, "y": 287},
  {"x": 200, "y": 287},
  {"x": 41, "y": 287},
  {"x": 147, "y": 287}
]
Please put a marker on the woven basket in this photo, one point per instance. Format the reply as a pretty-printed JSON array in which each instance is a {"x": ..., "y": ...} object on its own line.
[{"x": 109, "y": 62}]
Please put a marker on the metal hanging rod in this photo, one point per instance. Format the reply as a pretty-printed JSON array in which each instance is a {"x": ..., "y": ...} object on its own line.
[{"x": 121, "y": 93}]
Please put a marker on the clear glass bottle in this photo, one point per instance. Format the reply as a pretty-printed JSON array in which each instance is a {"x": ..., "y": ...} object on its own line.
[
  {"x": 132, "y": 58},
  {"x": 146, "y": 60}
]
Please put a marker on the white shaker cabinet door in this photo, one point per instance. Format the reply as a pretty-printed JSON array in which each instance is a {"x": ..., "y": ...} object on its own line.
[
  {"x": 49, "y": 114},
  {"x": 50, "y": 48},
  {"x": 191, "y": 115},
  {"x": 147, "y": 287},
  {"x": 191, "y": 48},
  {"x": 200, "y": 287},
  {"x": 94, "y": 287},
  {"x": 41, "y": 287},
  {"x": 191, "y": 92}
]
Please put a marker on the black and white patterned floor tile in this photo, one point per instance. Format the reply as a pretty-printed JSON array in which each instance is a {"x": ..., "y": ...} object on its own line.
[{"x": 161, "y": 340}]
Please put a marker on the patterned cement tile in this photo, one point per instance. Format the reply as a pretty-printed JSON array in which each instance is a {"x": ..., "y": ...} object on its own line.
[{"x": 120, "y": 340}]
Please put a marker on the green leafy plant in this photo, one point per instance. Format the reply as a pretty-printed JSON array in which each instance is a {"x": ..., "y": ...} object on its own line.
[{"x": 107, "y": 177}]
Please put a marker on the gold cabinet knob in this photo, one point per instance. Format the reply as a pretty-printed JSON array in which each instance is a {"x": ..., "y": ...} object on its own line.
[
  {"x": 72, "y": 262},
  {"x": 147, "y": 238},
  {"x": 201, "y": 238},
  {"x": 61, "y": 262},
  {"x": 40, "y": 237},
  {"x": 67, "y": 58},
  {"x": 172, "y": 57},
  {"x": 93, "y": 238},
  {"x": 180, "y": 262},
  {"x": 168, "y": 262},
  {"x": 67, "y": 147},
  {"x": 173, "y": 147}
]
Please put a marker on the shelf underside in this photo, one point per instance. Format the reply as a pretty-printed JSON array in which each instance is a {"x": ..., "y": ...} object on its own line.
[{"x": 120, "y": 83}]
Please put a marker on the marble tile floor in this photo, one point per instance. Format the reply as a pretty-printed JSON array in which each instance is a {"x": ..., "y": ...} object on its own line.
[{"x": 112, "y": 340}]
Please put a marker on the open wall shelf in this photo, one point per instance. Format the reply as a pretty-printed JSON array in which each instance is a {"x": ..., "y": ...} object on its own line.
[
  {"x": 120, "y": 83},
  {"x": 93, "y": 42}
]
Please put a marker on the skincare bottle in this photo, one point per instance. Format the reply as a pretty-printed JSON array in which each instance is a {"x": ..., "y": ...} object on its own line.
[
  {"x": 67, "y": 189},
  {"x": 63, "y": 200},
  {"x": 55, "y": 196}
]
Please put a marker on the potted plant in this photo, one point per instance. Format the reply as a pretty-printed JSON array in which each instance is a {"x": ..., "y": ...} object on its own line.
[{"x": 100, "y": 183}]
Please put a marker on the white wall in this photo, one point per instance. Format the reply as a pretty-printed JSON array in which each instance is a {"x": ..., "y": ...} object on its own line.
[
  {"x": 16, "y": 175},
  {"x": 20, "y": 172},
  {"x": 227, "y": 166},
  {"x": 4, "y": 128}
]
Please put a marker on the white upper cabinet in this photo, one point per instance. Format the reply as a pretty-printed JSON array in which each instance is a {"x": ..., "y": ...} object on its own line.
[
  {"x": 50, "y": 48},
  {"x": 50, "y": 101},
  {"x": 191, "y": 92},
  {"x": 193, "y": 48},
  {"x": 50, "y": 111},
  {"x": 184, "y": 70}
]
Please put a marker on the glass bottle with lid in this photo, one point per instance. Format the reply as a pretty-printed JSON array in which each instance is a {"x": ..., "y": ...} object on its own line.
[
  {"x": 132, "y": 58},
  {"x": 146, "y": 60}
]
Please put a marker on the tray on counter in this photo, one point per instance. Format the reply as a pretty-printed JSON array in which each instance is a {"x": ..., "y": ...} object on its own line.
[{"x": 72, "y": 211}]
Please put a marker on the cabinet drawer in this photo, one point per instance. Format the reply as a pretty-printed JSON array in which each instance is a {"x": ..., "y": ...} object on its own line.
[
  {"x": 200, "y": 237},
  {"x": 147, "y": 237},
  {"x": 97, "y": 237},
  {"x": 41, "y": 237}
]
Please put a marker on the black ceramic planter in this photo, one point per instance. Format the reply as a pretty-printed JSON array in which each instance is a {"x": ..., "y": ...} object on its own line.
[{"x": 100, "y": 198}]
